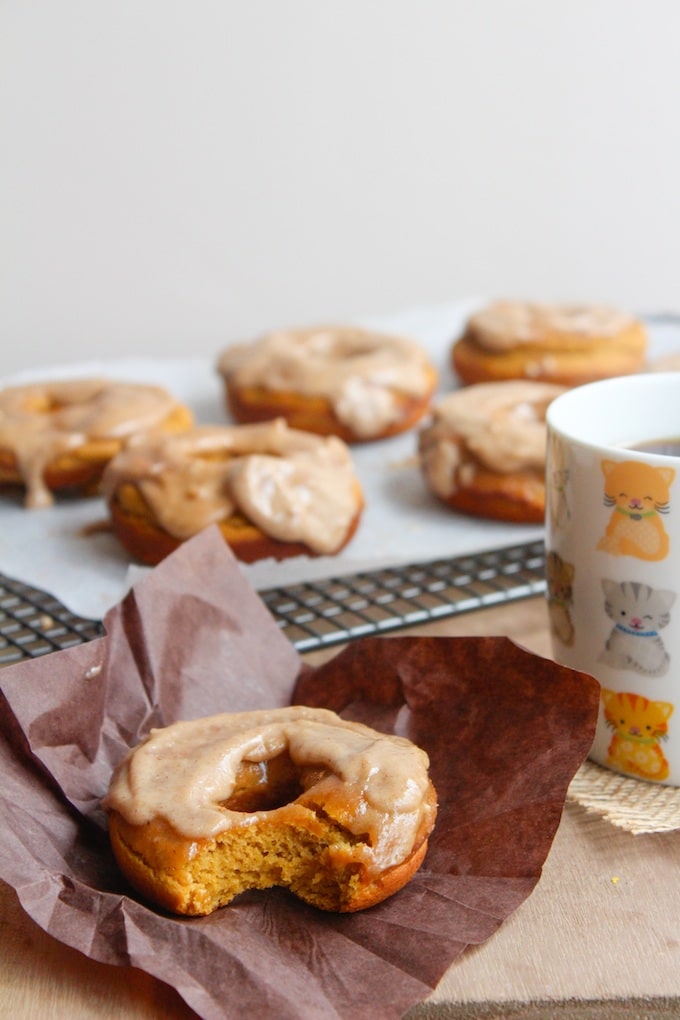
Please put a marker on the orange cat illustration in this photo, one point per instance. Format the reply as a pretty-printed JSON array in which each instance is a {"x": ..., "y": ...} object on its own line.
[
  {"x": 639, "y": 494},
  {"x": 560, "y": 578},
  {"x": 639, "y": 725}
]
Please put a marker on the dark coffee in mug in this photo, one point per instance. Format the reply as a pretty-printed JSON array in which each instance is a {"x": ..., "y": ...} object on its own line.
[{"x": 666, "y": 447}]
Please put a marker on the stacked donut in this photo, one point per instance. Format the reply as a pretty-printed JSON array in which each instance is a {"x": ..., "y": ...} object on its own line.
[
  {"x": 563, "y": 344},
  {"x": 273, "y": 491},
  {"x": 483, "y": 452},
  {"x": 349, "y": 382}
]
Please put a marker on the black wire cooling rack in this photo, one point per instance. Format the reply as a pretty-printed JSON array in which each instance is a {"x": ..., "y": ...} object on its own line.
[
  {"x": 32, "y": 623},
  {"x": 315, "y": 614}
]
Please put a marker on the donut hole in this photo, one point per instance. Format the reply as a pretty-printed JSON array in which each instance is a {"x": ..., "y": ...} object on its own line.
[
  {"x": 275, "y": 783},
  {"x": 265, "y": 785}
]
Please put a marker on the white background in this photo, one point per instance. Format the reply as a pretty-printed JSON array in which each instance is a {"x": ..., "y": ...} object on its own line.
[{"x": 179, "y": 175}]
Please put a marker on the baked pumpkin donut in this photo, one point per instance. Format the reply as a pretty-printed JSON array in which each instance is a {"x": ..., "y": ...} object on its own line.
[
  {"x": 484, "y": 451},
  {"x": 344, "y": 381},
  {"x": 563, "y": 344},
  {"x": 61, "y": 434},
  {"x": 295, "y": 797},
  {"x": 273, "y": 491}
]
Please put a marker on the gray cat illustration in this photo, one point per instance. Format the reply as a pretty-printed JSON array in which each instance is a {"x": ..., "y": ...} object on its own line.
[{"x": 639, "y": 612}]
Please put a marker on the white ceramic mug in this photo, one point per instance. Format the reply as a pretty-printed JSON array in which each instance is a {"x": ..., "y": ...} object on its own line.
[{"x": 613, "y": 562}]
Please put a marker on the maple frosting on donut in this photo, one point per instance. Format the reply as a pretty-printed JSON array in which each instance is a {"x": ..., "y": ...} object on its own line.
[
  {"x": 506, "y": 323},
  {"x": 353, "y": 807},
  {"x": 558, "y": 343},
  {"x": 294, "y": 487},
  {"x": 61, "y": 433},
  {"x": 347, "y": 381},
  {"x": 485, "y": 449}
]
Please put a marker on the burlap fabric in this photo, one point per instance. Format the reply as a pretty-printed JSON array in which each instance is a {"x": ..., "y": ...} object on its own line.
[{"x": 632, "y": 804}]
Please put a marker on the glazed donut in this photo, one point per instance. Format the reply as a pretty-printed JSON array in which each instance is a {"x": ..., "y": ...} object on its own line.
[
  {"x": 563, "y": 344},
  {"x": 60, "y": 435},
  {"x": 273, "y": 492},
  {"x": 344, "y": 381},
  {"x": 484, "y": 451},
  {"x": 295, "y": 797}
]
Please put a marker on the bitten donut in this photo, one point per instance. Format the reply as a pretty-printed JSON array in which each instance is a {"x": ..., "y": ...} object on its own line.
[
  {"x": 563, "y": 344},
  {"x": 61, "y": 434},
  {"x": 273, "y": 491},
  {"x": 484, "y": 451},
  {"x": 296, "y": 797},
  {"x": 344, "y": 381}
]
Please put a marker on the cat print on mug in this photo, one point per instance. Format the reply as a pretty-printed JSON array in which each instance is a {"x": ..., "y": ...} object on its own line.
[
  {"x": 639, "y": 725},
  {"x": 560, "y": 595},
  {"x": 639, "y": 612},
  {"x": 612, "y": 555},
  {"x": 639, "y": 494},
  {"x": 558, "y": 480}
]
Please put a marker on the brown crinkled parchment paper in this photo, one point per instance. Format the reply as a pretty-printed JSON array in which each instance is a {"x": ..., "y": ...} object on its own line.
[{"x": 505, "y": 731}]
